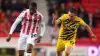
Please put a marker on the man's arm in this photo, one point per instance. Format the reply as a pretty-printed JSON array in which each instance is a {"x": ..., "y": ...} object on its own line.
[
  {"x": 90, "y": 31},
  {"x": 41, "y": 30},
  {"x": 17, "y": 21},
  {"x": 55, "y": 21}
]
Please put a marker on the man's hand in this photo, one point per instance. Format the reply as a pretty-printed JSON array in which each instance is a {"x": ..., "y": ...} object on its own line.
[
  {"x": 38, "y": 39},
  {"x": 94, "y": 38},
  {"x": 8, "y": 38},
  {"x": 54, "y": 18},
  {"x": 90, "y": 31}
]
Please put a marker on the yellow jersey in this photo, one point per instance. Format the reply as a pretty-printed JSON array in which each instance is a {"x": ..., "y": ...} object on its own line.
[{"x": 68, "y": 28}]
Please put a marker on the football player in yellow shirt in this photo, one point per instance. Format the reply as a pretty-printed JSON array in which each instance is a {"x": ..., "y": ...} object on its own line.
[{"x": 68, "y": 29}]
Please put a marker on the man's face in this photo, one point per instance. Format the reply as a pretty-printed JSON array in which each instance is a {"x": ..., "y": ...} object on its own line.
[
  {"x": 71, "y": 15},
  {"x": 32, "y": 9}
]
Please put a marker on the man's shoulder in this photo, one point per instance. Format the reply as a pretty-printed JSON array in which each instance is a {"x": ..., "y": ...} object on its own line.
[
  {"x": 39, "y": 13},
  {"x": 78, "y": 18},
  {"x": 65, "y": 15},
  {"x": 25, "y": 10}
]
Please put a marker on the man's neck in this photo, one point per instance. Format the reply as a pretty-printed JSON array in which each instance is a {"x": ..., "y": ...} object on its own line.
[{"x": 32, "y": 13}]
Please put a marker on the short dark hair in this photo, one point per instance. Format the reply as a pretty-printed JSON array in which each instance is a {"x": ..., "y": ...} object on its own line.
[
  {"x": 73, "y": 10},
  {"x": 33, "y": 4}
]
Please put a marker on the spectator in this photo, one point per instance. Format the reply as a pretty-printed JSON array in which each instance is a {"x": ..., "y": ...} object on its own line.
[
  {"x": 2, "y": 15},
  {"x": 75, "y": 0},
  {"x": 11, "y": 17},
  {"x": 62, "y": 9},
  {"x": 0, "y": 3},
  {"x": 52, "y": 10},
  {"x": 62, "y": 1},
  {"x": 15, "y": 6},
  {"x": 23, "y": 4},
  {"x": 96, "y": 18},
  {"x": 4, "y": 23},
  {"x": 8, "y": 14},
  {"x": 9, "y": 10},
  {"x": 6, "y": 5},
  {"x": 84, "y": 15},
  {"x": 5, "y": 26},
  {"x": 69, "y": 5}
]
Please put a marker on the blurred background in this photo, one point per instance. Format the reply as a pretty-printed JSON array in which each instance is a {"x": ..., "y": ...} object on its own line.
[{"x": 88, "y": 10}]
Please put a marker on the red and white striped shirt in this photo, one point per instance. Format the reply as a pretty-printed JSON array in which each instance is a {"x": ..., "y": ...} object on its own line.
[{"x": 30, "y": 23}]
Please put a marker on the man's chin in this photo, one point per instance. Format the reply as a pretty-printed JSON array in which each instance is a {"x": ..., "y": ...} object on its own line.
[
  {"x": 31, "y": 13},
  {"x": 71, "y": 19}
]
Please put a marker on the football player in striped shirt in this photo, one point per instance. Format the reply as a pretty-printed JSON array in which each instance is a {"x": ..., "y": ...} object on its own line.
[{"x": 32, "y": 30}]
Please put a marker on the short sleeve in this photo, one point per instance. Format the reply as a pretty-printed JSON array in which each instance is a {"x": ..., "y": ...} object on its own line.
[
  {"x": 81, "y": 21},
  {"x": 62, "y": 18}
]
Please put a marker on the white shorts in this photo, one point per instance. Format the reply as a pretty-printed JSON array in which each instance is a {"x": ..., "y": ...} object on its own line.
[{"x": 24, "y": 40}]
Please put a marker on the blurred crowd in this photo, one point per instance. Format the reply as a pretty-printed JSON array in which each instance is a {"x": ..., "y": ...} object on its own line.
[
  {"x": 60, "y": 7},
  {"x": 9, "y": 10}
]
